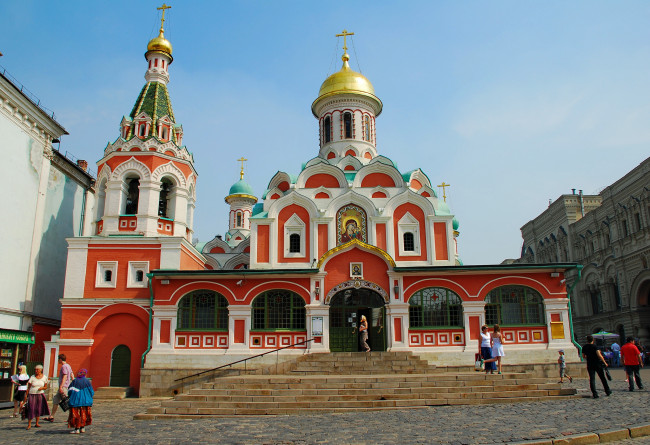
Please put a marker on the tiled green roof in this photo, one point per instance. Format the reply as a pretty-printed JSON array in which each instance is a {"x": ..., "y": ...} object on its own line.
[{"x": 153, "y": 100}]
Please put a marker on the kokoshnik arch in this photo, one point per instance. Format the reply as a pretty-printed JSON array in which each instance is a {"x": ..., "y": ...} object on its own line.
[{"x": 348, "y": 235}]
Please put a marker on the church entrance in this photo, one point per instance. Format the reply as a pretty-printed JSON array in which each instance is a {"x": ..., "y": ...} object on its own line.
[
  {"x": 120, "y": 366},
  {"x": 346, "y": 309}
]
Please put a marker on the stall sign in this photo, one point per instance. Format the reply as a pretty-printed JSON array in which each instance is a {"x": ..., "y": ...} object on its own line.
[{"x": 16, "y": 336}]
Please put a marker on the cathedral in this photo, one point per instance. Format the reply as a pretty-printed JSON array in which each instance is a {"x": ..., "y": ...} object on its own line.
[{"x": 349, "y": 235}]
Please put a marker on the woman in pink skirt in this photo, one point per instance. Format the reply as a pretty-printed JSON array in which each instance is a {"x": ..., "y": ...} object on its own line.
[{"x": 36, "y": 402}]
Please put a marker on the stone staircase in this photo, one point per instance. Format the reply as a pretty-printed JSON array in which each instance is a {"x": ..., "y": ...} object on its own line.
[
  {"x": 338, "y": 382},
  {"x": 113, "y": 392}
]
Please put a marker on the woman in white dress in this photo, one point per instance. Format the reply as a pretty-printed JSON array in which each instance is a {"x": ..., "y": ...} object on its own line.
[{"x": 497, "y": 347}]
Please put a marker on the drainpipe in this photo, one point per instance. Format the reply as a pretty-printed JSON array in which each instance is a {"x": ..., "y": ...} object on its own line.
[
  {"x": 569, "y": 295},
  {"x": 149, "y": 333}
]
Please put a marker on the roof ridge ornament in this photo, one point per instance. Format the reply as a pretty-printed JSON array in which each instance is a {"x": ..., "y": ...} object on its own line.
[{"x": 345, "y": 57}]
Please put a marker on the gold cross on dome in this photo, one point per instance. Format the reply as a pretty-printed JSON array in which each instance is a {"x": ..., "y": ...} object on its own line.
[
  {"x": 241, "y": 173},
  {"x": 162, "y": 20},
  {"x": 443, "y": 185},
  {"x": 345, "y": 34}
]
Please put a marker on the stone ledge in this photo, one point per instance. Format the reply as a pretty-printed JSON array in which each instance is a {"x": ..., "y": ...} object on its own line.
[
  {"x": 577, "y": 439},
  {"x": 640, "y": 430},
  {"x": 613, "y": 435}
]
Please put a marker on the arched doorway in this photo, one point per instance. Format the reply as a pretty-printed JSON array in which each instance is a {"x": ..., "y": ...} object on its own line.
[
  {"x": 346, "y": 309},
  {"x": 121, "y": 366}
]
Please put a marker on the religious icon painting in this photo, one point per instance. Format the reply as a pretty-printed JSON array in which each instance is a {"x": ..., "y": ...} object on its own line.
[
  {"x": 351, "y": 224},
  {"x": 356, "y": 270}
]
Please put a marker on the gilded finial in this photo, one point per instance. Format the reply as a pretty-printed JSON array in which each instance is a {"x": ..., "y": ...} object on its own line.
[
  {"x": 241, "y": 173},
  {"x": 162, "y": 20},
  {"x": 443, "y": 185},
  {"x": 345, "y": 34}
]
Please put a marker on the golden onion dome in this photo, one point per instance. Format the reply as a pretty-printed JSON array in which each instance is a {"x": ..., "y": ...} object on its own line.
[
  {"x": 347, "y": 81},
  {"x": 160, "y": 44}
]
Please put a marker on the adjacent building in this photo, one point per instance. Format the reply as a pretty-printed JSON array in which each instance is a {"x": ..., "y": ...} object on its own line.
[
  {"x": 47, "y": 203},
  {"x": 609, "y": 235}
]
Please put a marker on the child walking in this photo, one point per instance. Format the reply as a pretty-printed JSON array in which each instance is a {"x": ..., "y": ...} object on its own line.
[{"x": 562, "y": 364}]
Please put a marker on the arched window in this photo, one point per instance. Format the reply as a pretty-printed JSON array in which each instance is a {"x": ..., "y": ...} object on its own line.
[
  {"x": 239, "y": 220},
  {"x": 347, "y": 125},
  {"x": 327, "y": 129},
  {"x": 366, "y": 128},
  {"x": 409, "y": 243},
  {"x": 514, "y": 305},
  {"x": 294, "y": 243},
  {"x": 435, "y": 307},
  {"x": 164, "y": 198},
  {"x": 279, "y": 309},
  {"x": 142, "y": 128},
  {"x": 203, "y": 310},
  {"x": 132, "y": 196}
]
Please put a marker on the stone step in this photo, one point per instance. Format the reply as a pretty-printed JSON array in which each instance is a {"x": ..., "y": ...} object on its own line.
[{"x": 113, "y": 392}]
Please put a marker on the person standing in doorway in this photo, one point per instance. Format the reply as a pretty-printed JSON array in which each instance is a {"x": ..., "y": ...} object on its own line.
[
  {"x": 363, "y": 334},
  {"x": 595, "y": 365},
  {"x": 65, "y": 377},
  {"x": 632, "y": 362}
]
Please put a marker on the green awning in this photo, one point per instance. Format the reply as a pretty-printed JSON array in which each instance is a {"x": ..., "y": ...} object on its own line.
[{"x": 9, "y": 336}]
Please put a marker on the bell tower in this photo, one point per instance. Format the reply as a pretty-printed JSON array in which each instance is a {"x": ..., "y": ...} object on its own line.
[{"x": 146, "y": 183}]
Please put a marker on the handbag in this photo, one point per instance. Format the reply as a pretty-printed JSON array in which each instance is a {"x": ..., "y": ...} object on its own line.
[
  {"x": 23, "y": 410},
  {"x": 478, "y": 363},
  {"x": 64, "y": 404}
]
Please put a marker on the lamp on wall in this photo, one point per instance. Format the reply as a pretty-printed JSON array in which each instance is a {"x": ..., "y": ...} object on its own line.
[
  {"x": 317, "y": 290},
  {"x": 396, "y": 289}
]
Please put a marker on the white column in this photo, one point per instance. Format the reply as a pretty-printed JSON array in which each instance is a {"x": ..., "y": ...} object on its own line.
[
  {"x": 180, "y": 212},
  {"x": 398, "y": 310},
  {"x": 239, "y": 312},
  {"x": 148, "y": 207},
  {"x": 317, "y": 309},
  {"x": 472, "y": 309},
  {"x": 115, "y": 192}
]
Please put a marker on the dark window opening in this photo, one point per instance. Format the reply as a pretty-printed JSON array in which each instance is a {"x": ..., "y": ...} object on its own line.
[
  {"x": 108, "y": 276},
  {"x": 239, "y": 222},
  {"x": 596, "y": 302},
  {"x": 139, "y": 276},
  {"x": 294, "y": 243},
  {"x": 409, "y": 242},
  {"x": 347, "y": 125},
  {"x": 132, "y": 195},
  {"x": 163, "y": 200},
  {"x": 327, "y": 129},
  {"x": 203, "y": 310},
  {"x": 279, "y": 309}
]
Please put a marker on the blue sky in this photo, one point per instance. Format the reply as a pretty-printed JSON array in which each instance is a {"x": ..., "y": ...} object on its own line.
[{"x": 513, "y": 103}]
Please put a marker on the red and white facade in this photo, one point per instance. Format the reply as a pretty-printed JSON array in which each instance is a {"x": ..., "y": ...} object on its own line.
[{"x": 349, "y": 235}]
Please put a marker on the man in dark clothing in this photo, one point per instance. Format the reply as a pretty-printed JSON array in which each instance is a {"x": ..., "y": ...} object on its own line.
[{"x": 595, "y": 365}]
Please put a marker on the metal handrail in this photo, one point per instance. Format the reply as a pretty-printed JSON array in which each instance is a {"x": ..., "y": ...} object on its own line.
[{"x": 244, "y": 360}]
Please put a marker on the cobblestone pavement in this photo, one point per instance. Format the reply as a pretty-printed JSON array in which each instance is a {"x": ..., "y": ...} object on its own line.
[{"x": 481, "y": 424}]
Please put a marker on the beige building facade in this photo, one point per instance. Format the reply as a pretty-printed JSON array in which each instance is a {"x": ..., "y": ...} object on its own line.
[{"x": 609, "y": 235}]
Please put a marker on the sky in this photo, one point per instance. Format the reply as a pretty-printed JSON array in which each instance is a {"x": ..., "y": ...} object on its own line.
[{"x": 512, "y": 103}]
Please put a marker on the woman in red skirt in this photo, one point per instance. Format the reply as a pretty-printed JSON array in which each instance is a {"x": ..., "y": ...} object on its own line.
[{"x": 81, "y": 395}]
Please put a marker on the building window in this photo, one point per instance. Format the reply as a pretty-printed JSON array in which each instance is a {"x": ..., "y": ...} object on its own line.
[
  {"x": 347, "y": 125},
  {"x": 294, "y": 237},
  {"x": 203, "y": 310},
  {"x": 514, "y": 305},
  {"x": 142, "y": 130},
  {"x": 435, "y": 307},
  {"x": 596, "y": 301},
  {"x": 278, "y": 310},
  {"x": 164, "y": 198},
  {"x": 637, "y": 220},
  {"x": 238, "y": 218},
  {"x": 294, "y": 243},
  {"x": 327, "y": 129},
  {"x": 409, "y": 243},
  {"x": 626, "y": 232},
  {"x": 366, "y": 128},
  {"x": 106, "y": 274},
  {"x": 132, "y": 196},
  {"x": 137, "y": 274}
]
